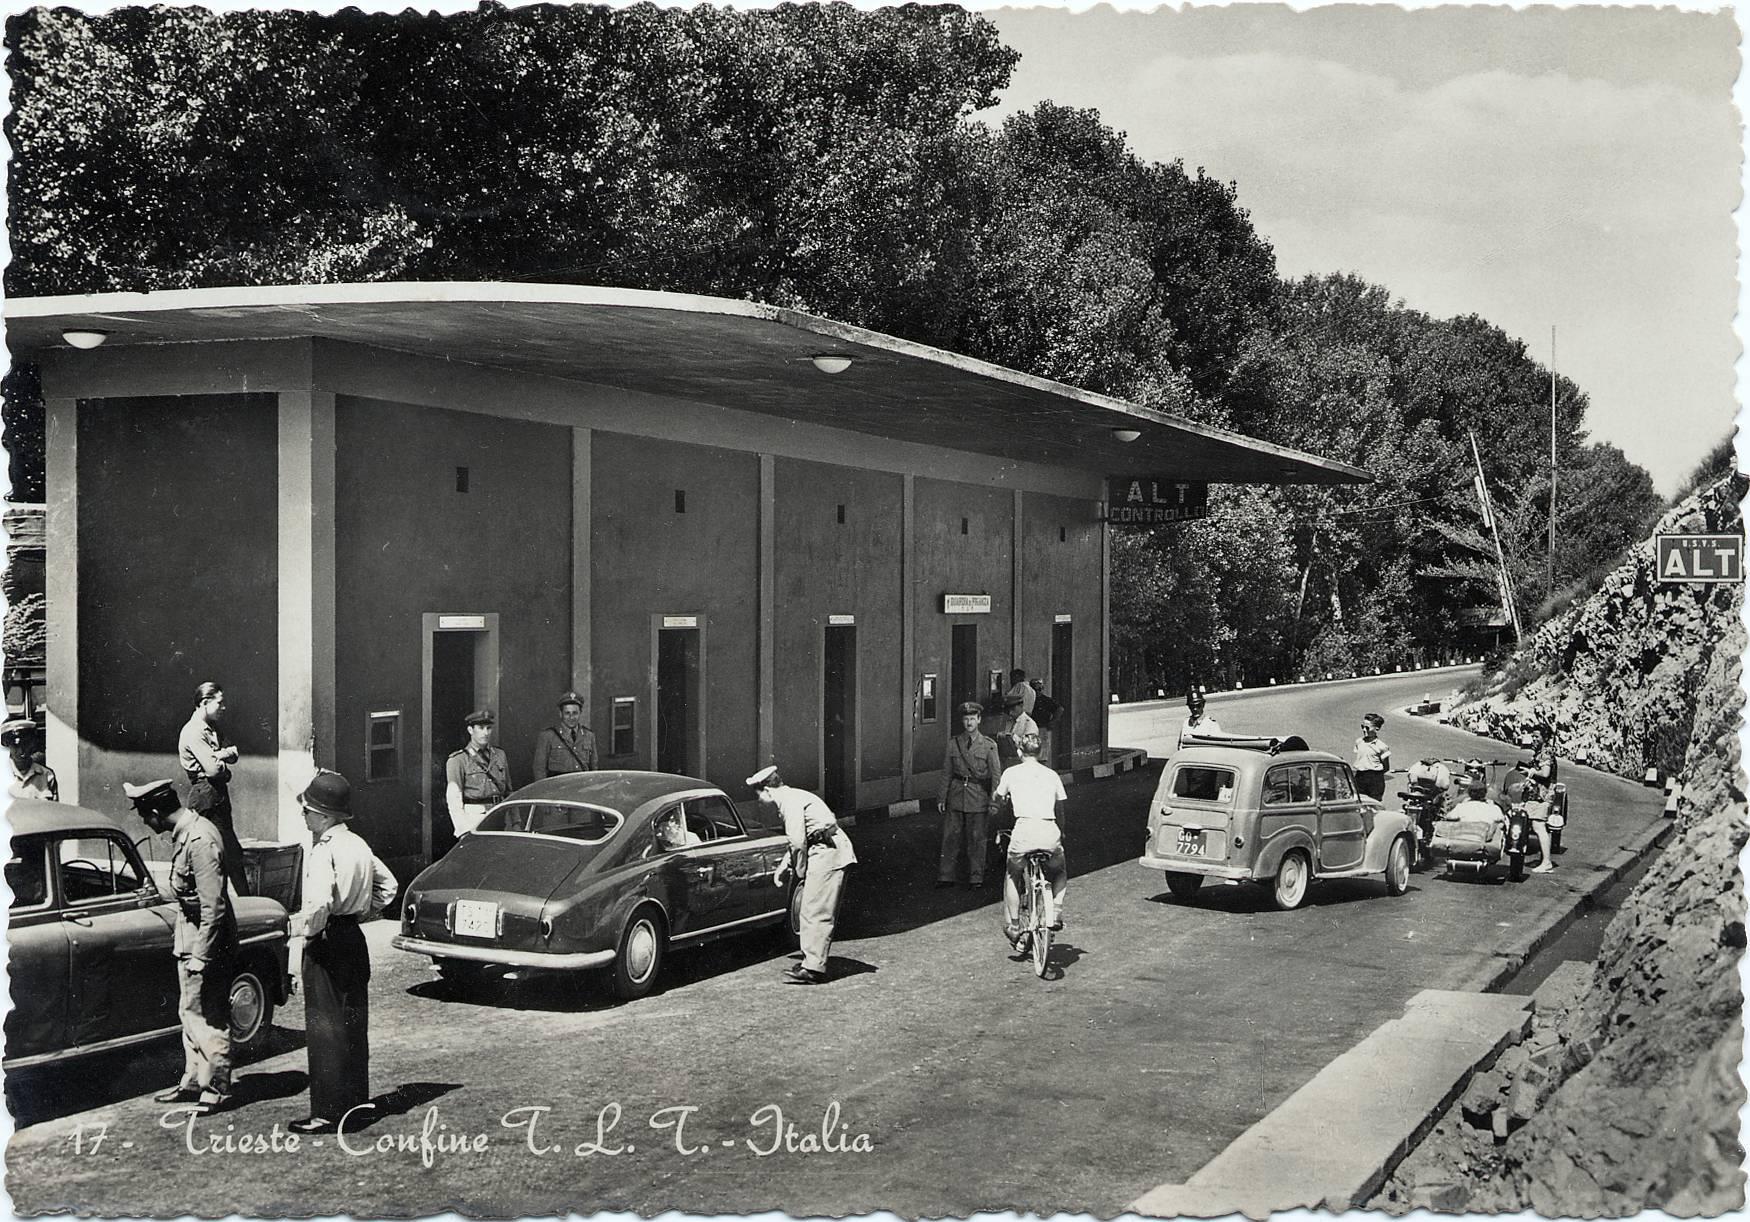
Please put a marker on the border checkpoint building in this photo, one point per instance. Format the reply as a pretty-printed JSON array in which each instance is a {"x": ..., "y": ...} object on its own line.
[{"x": 740, "y": 532}]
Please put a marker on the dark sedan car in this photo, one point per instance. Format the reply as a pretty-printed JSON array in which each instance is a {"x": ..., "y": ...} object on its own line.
[
  {"x": 597, "y": 870},
  {"x": 91, "y": 934}
]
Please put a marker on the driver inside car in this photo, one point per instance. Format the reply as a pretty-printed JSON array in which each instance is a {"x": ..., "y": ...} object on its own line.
[{"x": 673, "y": 833}]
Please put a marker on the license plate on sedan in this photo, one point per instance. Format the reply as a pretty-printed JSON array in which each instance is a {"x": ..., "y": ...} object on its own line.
[
  {"x": 1190, "y": 843},
  {"x": 476, "y": 919}
]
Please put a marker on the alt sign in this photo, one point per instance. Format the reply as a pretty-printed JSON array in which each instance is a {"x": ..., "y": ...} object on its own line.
[
  {"x": 1701, "y": 558},
  {"x": 1153, "y": 500}
]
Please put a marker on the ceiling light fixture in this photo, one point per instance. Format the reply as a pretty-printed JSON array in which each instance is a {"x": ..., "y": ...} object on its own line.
[
  {"x": 85, "y": 339},
  {"x": 1127, "y": 434},
  {"x": 832, "y": 362}
]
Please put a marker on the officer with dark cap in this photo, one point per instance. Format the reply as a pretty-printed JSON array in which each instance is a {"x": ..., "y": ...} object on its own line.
[
  {"x": 477, "y": 777},
  {"x": 205, "y": 944},
  {"x": 568, "y": 746},
  {"x": 970, "y": 772}
]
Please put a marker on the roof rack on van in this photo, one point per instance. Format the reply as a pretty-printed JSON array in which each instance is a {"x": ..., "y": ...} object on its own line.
[{"x": 1271, "y": 745}]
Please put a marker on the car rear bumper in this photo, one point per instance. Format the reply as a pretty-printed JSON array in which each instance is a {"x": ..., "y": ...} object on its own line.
[
  {"x": 509, "y": 958},
  {"x": 1180, "y": 865}
]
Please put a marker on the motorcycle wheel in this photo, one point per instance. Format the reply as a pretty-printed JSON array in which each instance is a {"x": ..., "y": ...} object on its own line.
[{"x": 1516, "y": 867}]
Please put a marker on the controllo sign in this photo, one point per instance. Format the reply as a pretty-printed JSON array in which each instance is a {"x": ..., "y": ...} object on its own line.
[{"x": 1152, "y": 500}]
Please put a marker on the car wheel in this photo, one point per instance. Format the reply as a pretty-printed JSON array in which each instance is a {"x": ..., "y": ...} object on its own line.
[
  {"x": 251, "y": 1013},
  {"x": 1183, "y": 886},
  {"x": 1397, "y": 867},
  {"x": 639, "y": 958},
  {"x": 1292, "y": 876},
  {"x": 793, "y": 922}
]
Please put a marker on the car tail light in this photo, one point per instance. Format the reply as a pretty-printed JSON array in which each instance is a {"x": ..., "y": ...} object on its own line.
[
  {"x": 546, "y": 929},
  {"x": 412, "y": 913}
]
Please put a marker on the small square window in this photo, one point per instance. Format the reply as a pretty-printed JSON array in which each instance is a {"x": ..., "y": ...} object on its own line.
[
  {"x": 383, "y": 745},
  {"x": 623, "y": 736},
  {"x": 996, "y": 686},
  {"x": 927, "y": 700}
]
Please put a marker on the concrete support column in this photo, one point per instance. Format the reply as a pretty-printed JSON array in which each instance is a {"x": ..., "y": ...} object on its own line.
[
  {"x": 582, "y": 571},
  {"x": 1105, "y": 634},
  {"x": 306, "y": 599},
  {"x": 908, "y": 648},
  {"x": 768, "y": 595},
  {"x": 61, "y": 591},
  {"x": 1015, "y": 593}
]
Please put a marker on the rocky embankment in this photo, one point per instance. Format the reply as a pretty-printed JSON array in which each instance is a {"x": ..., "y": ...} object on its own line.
[{"x": 1627, "y": 1097}]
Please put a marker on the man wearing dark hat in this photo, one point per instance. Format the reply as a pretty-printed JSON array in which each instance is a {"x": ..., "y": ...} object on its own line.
[
  {"x": 821, "y": 851},
  {"x": 205, "y": 944},
  {"x": 477, "y": 776},
  {"x": 31, "y": 776},
  {"x": 344, "y": 884},
  {"x": 970, "y": 772},
  {"x": 568, "y": 746}
]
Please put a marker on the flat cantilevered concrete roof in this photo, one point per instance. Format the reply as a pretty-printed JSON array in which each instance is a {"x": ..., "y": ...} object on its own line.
[{"x": 739, "y": 354}]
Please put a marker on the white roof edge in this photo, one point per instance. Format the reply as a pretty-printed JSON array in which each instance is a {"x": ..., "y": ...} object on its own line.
[{"x": 95, "y": 305}]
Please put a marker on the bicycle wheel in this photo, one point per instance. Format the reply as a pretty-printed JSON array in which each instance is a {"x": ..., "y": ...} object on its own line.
[{"x": 1040, "y": 890}]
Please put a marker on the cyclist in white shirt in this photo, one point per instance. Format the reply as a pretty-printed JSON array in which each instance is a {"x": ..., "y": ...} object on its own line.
[{"x": 1036, "y": 795}]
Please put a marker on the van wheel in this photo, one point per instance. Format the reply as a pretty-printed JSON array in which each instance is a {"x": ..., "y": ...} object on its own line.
[
  {"x": 1183, "y": 886},
  {"x": 251, "y": 1013},
  {"x": 639, "y": 958},
  {"x": 1397, "y": 867},
  {"x": 1289, "y": 890}
]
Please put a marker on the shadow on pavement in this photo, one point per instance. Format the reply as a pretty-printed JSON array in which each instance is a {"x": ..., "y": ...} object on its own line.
[
  {"x": 1255, "y": 897},
  {"x": 399, "y": 1102},
  {"x": 50, "y": 1092}
]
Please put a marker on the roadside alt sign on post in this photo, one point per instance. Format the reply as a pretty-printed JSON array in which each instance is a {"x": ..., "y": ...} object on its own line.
[{"x": 1702, "y": 558}]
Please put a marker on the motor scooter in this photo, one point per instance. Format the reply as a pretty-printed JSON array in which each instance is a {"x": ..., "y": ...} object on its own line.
[{"x": 1425, "y": 803}]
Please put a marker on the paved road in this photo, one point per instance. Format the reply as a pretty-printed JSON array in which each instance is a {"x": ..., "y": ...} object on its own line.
[{"x": 1170, "y": 1027}]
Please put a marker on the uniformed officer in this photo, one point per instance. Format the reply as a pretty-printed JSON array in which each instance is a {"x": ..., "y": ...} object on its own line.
[
  {"x": 31, "y": 777},
  {"x": 477, "y": 776},
  {"x": 820, "y": 850},
  {"x": 205, "y": 945},
  {"x": 568, "y": 746},
  {"x": 344, "y": 883},
  {"x": 969, "y": 776}
]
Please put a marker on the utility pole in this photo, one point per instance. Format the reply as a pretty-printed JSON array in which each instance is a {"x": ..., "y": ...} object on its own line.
[
  {"x": 1552, "y": 459},
  {"x": 1500, "y": 556}
]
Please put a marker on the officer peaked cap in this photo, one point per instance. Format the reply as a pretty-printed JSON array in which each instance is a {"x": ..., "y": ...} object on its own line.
[
  {"x": 153, "y": 798},
  {"x": 571, "y": 698},
  {"x": 479, "y": 717}
]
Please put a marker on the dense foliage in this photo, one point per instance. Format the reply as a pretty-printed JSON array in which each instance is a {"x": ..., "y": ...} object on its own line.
[{"x": 830, "y": 159}]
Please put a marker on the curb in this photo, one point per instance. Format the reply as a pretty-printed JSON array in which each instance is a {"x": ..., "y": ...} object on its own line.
[
  {"x": 1298, "y": 1157},
  {"x": 1119, "y": 760},
  {"x": 1178, "y": 701},
  {"x": 1509, "y": 960}
]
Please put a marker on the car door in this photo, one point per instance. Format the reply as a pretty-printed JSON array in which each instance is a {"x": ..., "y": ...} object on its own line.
[
  {"x": 745, "y": 863},
  {"x": 1286, "y": 805},
  {"x": 1342, "y": 821},
  {"x": 121, "y": 930},
  {"x": 40, "y": 960},
  {"x": 699, "y": 895}
]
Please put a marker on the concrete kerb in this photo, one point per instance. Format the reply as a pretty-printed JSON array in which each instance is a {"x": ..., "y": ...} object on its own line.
[
  {"x": 1301, "y": 1155},
  {"x": 1213, "y": 697},
  {"x": 1119, "y": 760},
  {"x": 1507, "y": 961}
]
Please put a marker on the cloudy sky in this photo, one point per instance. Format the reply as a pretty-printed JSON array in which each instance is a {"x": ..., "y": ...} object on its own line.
[{"x": 1571, "y": 167}]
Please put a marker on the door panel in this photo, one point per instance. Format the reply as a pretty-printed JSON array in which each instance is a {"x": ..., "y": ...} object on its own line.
[
  {"x": 123, "y": 976},
  {"x": 39, "y": 961},
  {"x": 1342, "y": 822},
  {"x": 744, "y": 863}
]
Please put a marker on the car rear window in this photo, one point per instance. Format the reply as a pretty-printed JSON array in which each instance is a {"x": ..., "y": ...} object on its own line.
[
  {"x": 1200, "y": 783},
  {"x": 590, "y": 824}
]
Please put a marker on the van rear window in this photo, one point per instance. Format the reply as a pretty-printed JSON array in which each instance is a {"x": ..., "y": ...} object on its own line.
[{"x": 1197, "y": 783}]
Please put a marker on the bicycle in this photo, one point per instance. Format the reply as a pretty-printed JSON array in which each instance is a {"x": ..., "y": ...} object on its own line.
[{"x": 1036, "y": 915}]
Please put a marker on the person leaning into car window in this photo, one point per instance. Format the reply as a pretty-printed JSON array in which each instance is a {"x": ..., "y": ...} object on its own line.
[
  {"x": 820, "y": 851},
  {"x": 205, "y": 945},
  {"x": 1372, "y": 758}
]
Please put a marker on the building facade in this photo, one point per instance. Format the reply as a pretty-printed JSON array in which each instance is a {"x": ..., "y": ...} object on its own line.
[{"x": 368, "y": 510}]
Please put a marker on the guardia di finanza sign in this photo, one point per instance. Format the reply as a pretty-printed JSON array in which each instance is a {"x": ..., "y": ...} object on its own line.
[{"x": 1154, "y": 500}]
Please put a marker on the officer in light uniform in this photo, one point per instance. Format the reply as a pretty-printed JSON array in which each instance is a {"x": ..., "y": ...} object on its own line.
[
  {"x": 477, "y": 777},
  {"x": 31, "y": 777},
  {"x": 819, "y": 849},
  {"x": 204, "y": 943}
]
